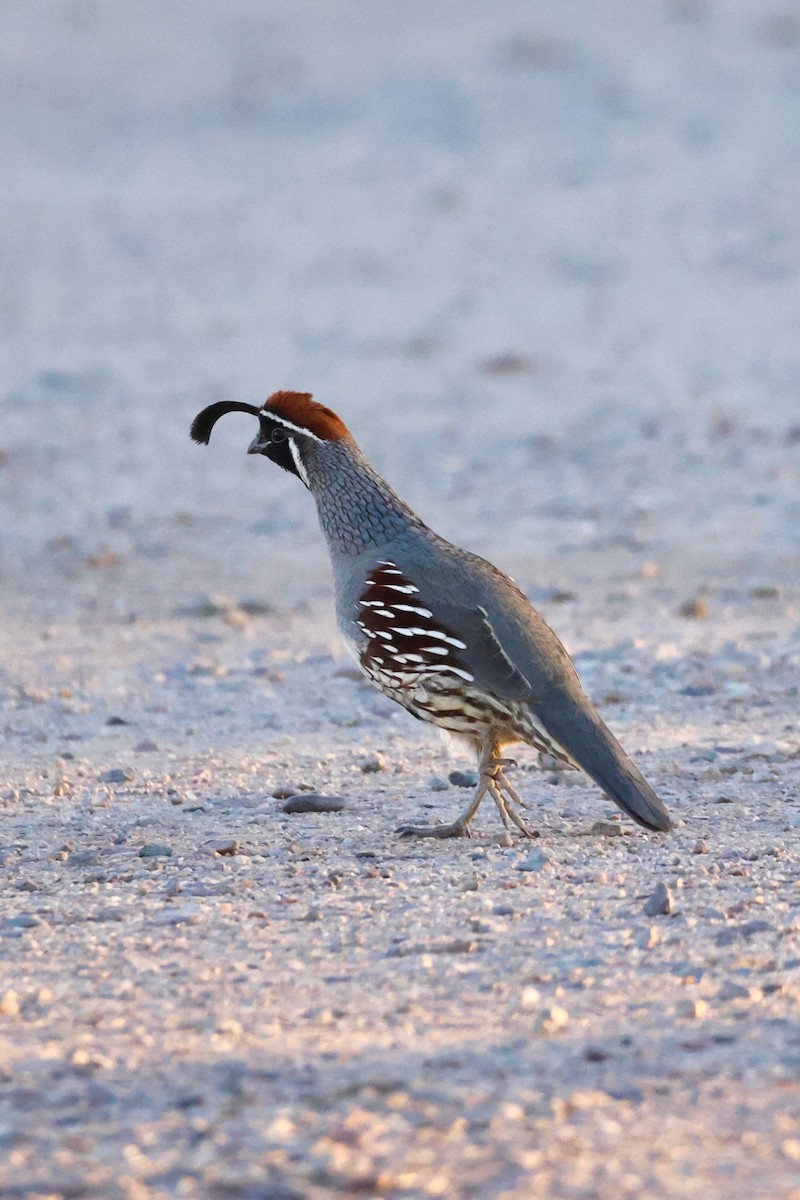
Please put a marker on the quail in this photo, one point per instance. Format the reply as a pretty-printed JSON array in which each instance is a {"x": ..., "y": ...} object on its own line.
[{"x": 437, "y": 628}]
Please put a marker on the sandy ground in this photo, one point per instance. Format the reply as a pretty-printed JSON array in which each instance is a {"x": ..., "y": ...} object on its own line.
[{"x": 544, "y": 260}]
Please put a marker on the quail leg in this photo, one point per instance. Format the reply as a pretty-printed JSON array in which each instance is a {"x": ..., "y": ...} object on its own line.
[
  {"x": 505, "y": 803},
  {"x": 491, "y": 780},
  {"x": 457, "y": 828}
]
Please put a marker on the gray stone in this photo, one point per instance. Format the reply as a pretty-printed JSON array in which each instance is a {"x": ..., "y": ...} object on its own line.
[
  {"x": 83, "y": 858},
  {"x": 286, "y": 791},
  {"x": 606, "y": 829},
  {"x": 155, "y": 850},
  {"x": 660, "y": 903},
  {"x": 373, "y": 765},
  {"x": 23, "y": 921},
  {"x": 313, "y": 802},
  {"x": 536, "y": 860},
  {"x": 117, "y": 775},
  {"x": 226, "y": 847},
  {"x": 465, "y": 779}
]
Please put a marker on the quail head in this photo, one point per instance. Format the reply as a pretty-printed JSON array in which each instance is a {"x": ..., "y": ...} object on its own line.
[{"x": 438, "y": 629}]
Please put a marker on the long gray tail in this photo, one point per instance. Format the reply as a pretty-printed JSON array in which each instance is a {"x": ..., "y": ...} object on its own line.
[{"x": 589, "y": 741}]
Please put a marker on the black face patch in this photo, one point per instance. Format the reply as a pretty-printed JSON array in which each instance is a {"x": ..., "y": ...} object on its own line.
[{"x": 276, "y": 439}]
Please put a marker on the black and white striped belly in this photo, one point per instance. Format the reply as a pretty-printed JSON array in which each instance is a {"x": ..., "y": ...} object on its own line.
[{"x": 415, "y": 660}]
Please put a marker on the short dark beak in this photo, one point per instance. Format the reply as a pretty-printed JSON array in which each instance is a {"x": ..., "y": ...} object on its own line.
[{"x": 257, "y": 446}]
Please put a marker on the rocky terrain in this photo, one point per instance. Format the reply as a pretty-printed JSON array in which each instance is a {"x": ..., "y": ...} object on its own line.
[{"x": 544, "y": 262}]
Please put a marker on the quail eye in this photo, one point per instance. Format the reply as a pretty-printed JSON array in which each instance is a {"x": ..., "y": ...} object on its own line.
[{"x": 278, "y": 435}]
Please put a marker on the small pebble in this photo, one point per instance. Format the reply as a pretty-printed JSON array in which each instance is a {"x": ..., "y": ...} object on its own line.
[
  {"x": 606, "y": 829},
  {"x": 531, "y": 998},
  {"x": 285, "y": 790},
  {"x": 145, "y": 746},
  {"x": 155, "y": 850},
  {"x": 206, "y": 605},
  {"x": 227, "y": 848},
  {"x": 373, "y": 765},
  {"x": 696, "y": 608},
  {"x": 117, "y": 775},
  {"x": 23, "y": 921},
  {"x": 693, "y": 1009},
  {"x": 437, "y": 784},
  {"x": 9, "y": 1005},
  {"x": 535, "y": 861},
  {"x": 731, "y": 990},
  {"x": 313, "y": 802},
  {"x": 660, "y": 903},
  {"x": 553, "y": 1018},
  {"x": 83, "y": 858},
  {"x": 465, "y": 779}
]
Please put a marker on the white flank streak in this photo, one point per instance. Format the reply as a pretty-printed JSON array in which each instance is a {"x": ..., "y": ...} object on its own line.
[
  {"x": 419, "y": 612},
  {"x": 436, "y": 649},
  {"x": 417, "y": 658},
  {"x": 387, "y": 637},
  {"x": 383, "y": 612},
  {"x": 371, "y": 603},
  {"x": 273, "y": 416},
  {"x": 408, "y": 590},
  {"x": 298, "y": 462},
  {"x": 464, "y": 674},
  {"x": 440, "y": 637}
]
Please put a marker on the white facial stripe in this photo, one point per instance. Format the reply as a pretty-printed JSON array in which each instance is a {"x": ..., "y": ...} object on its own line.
[
  {"x": 298, "y": 462},
  {"x": 273, "y": 416}
]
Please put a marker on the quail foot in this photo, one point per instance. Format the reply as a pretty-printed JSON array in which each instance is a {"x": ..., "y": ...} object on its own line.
[{"x": 438, "y": 629}]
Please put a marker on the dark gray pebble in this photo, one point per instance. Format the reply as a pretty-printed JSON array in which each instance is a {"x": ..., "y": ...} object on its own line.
[
  {"x": 23, "y": 921},
  {"x": 465, "y": 779},
  {"x": 83, "y": 858},
  {"x": 155, "y": 850},
  {"x": 313, "y": 802},
  {"x": 117, "y": 775}
]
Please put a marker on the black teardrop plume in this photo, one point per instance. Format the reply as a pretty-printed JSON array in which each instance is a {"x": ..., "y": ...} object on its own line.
[{"x": 205, "y": 421}]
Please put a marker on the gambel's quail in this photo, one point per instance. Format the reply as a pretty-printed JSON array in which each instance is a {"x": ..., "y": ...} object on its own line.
[{"x": 440, "y": 630}]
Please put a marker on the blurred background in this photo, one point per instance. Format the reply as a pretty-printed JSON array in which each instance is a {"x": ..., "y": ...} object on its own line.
[{"x": 543, "y": 259}]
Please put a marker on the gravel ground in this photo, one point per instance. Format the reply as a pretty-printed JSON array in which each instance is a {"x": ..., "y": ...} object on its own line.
[{"x": 548, "y": 272}]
